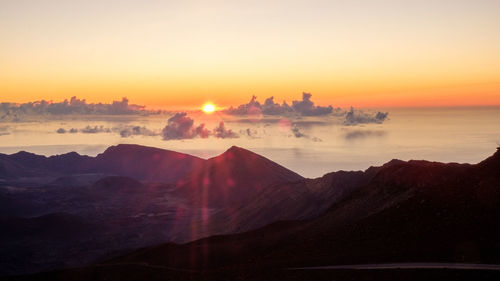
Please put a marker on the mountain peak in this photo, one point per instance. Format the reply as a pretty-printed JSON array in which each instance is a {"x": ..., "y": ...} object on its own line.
[
  {"x": 233, "y": 177},
  {"x": 237, "y": 153},
  {"x": 234, "y": 147},
  {"x": 24, "y": 154},
  {"x": 28, "y": 159},
  {"x": 69, "y": 155},
  {"x": 145, "y": 163},
  {"x": 237, "y": 149}
]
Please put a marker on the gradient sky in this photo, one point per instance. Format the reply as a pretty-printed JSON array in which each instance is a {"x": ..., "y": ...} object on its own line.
[{"x": 183, "y": 53}]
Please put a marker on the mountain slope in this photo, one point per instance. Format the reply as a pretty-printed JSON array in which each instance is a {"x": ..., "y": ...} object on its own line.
[
  {"x": 39, "y": 241},
  {"x": 299, "y": 200},
  {"x": 232, "y": 178}
]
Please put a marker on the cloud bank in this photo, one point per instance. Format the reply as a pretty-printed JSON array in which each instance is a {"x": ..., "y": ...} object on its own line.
[
  {"x": 304, "y": 107},
  {"x": 12, "y": 111}
]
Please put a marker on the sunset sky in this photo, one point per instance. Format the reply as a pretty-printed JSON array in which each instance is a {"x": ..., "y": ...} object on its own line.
[{"x": 183, "y": 53}]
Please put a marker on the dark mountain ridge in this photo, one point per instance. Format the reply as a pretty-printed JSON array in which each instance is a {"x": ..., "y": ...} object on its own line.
[
  {"x": 415, "y": 211},
  {"x": 403, "y": 211}
]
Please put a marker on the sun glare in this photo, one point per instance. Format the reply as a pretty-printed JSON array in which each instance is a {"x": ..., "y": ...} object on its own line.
[{"x": 208, "y": 108}]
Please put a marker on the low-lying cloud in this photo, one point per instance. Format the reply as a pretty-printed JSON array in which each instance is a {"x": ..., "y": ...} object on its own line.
[
  {"x": 124, "y": 131},
  {"x": 249, "y": 133},
  {"x": 4, "y": 130},
  {"x": 299, "y": 134},
  {"x": 361, "y": 134},
  {"x": 222, "y": 132},
  {"x": 136, "y": 131},
  {"x": 355, "y": 117},
  {"x": 95, "y": 130},
  {"x": 86, "y": 130},
  {"x": 180, "y": 126}
]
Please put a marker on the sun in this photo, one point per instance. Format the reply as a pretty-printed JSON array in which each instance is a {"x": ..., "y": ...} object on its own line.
[{"x": 208, "y": 108}]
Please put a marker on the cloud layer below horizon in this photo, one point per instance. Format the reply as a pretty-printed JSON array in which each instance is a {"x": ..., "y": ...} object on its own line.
[
  {"x": 290, "y": 119},
  {"x": 12, "y": 112}
]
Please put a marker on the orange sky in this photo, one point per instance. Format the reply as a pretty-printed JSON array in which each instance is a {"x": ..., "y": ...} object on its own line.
[{"x": 167, "y": 54}]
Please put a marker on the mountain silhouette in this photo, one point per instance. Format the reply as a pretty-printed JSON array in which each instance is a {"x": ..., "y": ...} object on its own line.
[
  {"x": 403, "y": 211},
  {"x": 415, "y": 211}
]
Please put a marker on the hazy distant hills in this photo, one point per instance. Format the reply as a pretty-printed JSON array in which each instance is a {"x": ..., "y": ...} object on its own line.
[{"x": 415, "y": 211}]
